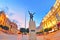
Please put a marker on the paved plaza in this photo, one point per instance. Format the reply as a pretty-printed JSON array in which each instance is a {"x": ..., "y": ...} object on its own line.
[{"x": 50, "y": 36}]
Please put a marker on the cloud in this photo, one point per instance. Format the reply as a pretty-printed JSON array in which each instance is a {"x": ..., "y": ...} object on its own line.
[{"x": 17, "y": 17}]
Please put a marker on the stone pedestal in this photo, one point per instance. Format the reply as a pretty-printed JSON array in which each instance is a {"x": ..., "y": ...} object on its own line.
[{"x": 32, "y": 30}]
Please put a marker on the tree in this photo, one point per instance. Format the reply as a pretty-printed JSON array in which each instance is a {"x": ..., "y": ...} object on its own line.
[
  {"x": 49, "y": 29},
  {"x": 27, "y": 30},
  {"x": 1, "y": 26},
  {"x": 46, "y": 30},
  {"x": 22, "y": 30},
  {"x": 5, "y": 28}
]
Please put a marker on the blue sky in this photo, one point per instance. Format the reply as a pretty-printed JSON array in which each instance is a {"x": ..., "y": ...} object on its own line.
[{"x": 16, "y": 10}]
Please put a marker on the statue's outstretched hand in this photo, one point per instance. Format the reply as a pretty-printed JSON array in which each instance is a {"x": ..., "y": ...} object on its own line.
[
  {"x": 33, "y": 13},
  {"x": 29, "y": 12}
]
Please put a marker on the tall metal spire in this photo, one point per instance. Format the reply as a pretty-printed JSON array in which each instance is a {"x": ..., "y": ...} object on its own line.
[{"x": 25, "y": 20}]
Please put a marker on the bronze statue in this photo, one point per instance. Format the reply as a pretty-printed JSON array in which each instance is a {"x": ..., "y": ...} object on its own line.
[{"x": 31, "y": 16}]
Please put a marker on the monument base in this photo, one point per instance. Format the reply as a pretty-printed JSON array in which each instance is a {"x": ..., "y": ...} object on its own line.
[{"x": 32, "y": 30}]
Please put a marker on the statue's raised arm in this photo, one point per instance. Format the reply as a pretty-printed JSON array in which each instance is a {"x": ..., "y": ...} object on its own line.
[
  {"x": 29, "y": 12},
  {"x": 31, "y": 16},
  {"x": 33, "y": 13}
]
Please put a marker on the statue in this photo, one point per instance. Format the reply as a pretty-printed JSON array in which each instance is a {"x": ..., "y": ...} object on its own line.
[{"x": 31, "y": 16}]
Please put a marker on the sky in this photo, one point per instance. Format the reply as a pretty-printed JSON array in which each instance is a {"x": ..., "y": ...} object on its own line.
[{"x": 16, "y": 10}]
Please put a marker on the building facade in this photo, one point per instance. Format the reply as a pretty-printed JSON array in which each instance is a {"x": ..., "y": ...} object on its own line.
[
  {"x": 50, "y": 20},
  {"x": 4, "y": 21}
]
